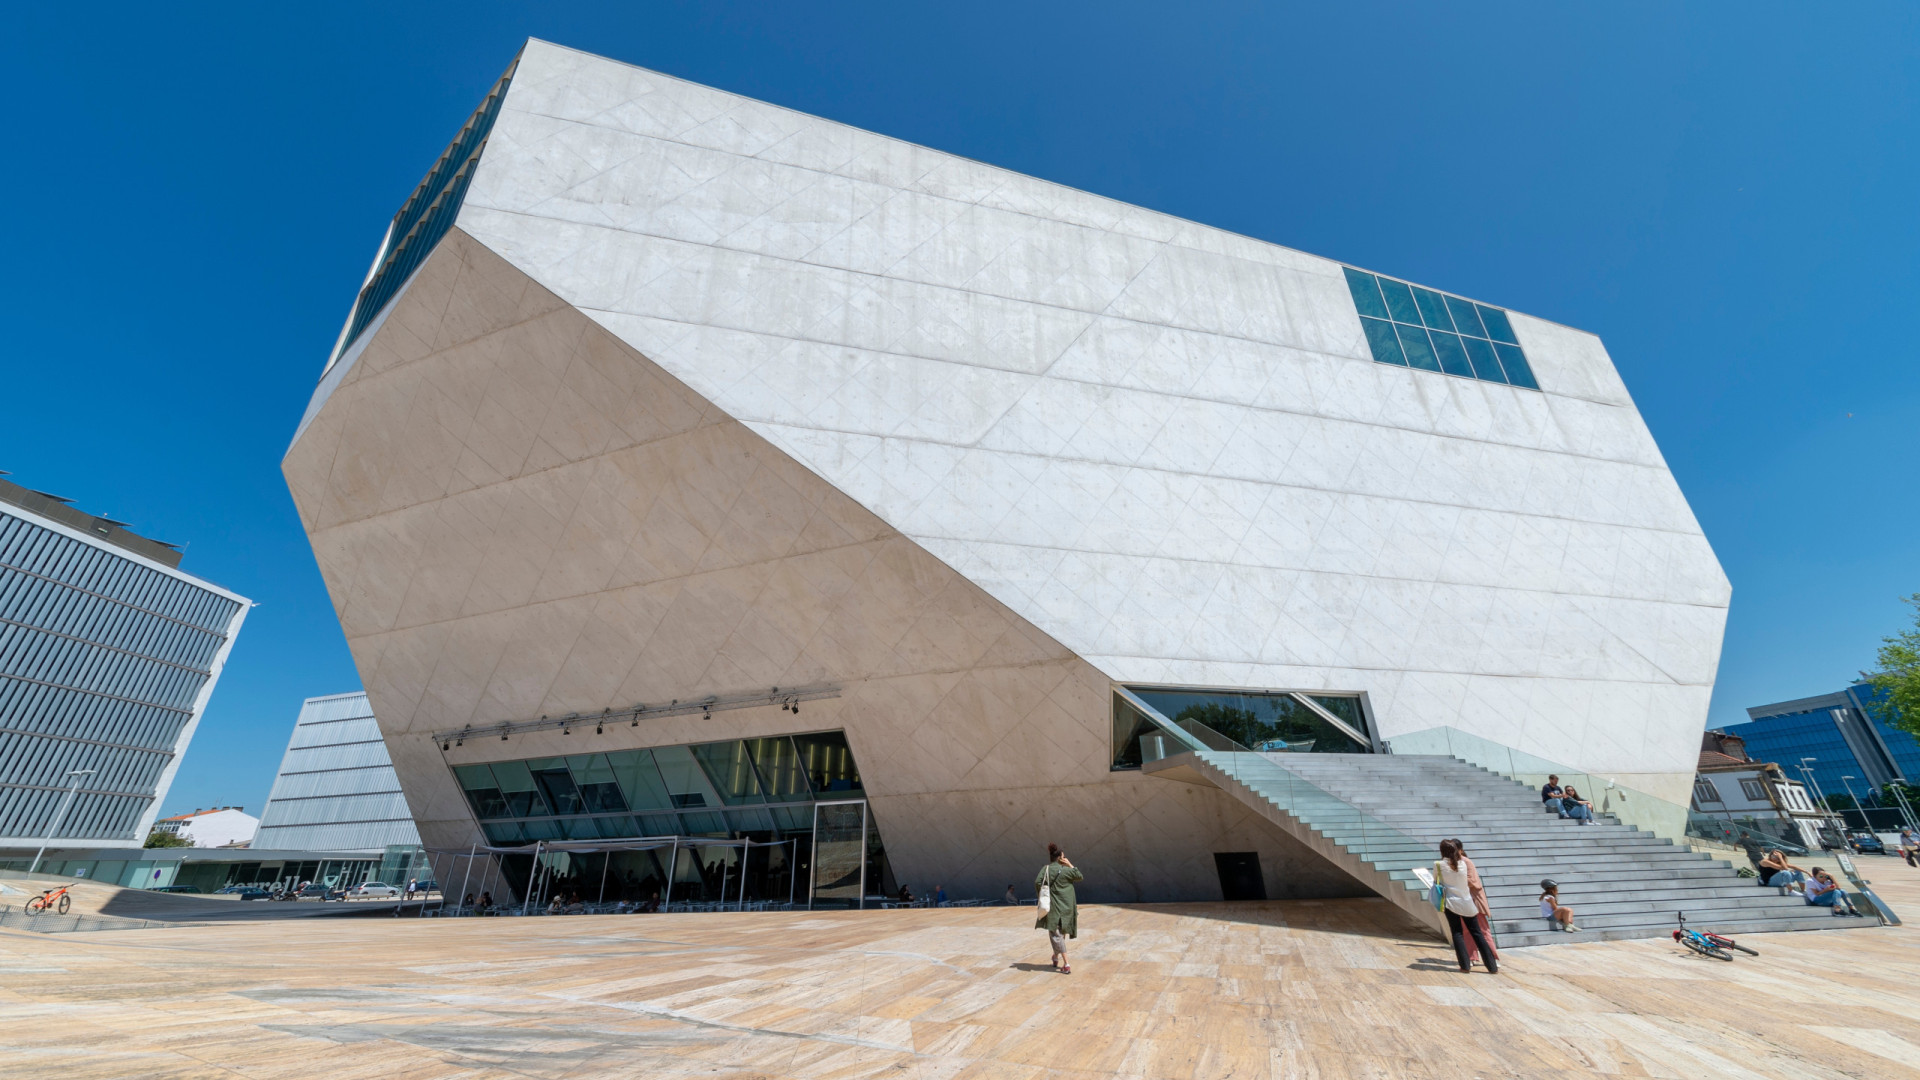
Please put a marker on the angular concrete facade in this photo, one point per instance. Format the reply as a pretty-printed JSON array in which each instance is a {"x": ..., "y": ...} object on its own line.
[{"x": 698, "y": 395}]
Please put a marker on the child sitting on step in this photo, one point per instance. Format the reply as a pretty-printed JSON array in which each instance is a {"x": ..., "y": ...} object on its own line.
[{"x": 1552, "y": 909}]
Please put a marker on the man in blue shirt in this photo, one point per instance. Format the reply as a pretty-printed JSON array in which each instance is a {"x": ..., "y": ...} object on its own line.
[{"x": 1550, "y": 793}]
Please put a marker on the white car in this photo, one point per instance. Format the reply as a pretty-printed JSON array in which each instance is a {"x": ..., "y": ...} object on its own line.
[{"x": 369, "y": 890}]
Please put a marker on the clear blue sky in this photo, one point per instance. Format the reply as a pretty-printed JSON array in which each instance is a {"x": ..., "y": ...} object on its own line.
[{"x": 1729, "y": 201}]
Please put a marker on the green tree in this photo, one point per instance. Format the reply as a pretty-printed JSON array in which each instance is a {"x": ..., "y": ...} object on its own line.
[
  {"x": 163, "y": 838},
  {"x": 1898, "y": 681}
]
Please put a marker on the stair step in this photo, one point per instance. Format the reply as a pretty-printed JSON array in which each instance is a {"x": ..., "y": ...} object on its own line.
[{"x": 1388, "y": 813}]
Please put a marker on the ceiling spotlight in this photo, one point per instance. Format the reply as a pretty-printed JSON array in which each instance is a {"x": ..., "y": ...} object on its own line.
[
  {"x": 459, "y": 742},
  {"x": 598, "y": 730},
  {"x": 503, "y": 736},
  {"x": 796, "y": 708},
  {"x": 444, "y": 747}
]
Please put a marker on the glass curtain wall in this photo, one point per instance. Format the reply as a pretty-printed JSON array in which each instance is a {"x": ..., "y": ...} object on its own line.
[
  {"x": 1269, "y": 722},
  {"x": 762, "y": 790}
]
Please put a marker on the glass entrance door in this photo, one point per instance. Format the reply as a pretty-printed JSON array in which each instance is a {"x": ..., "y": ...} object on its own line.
[{"x": 839, "y": 855}]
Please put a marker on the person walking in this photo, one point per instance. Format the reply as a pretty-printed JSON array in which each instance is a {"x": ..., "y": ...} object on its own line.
[
  {"x": 1478, "y": 893},
  {"x": 1059, "y": 912},
  {"x": 1462, "y": 913}
]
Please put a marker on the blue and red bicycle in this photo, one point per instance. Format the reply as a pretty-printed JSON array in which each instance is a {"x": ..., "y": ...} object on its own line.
[{"x": 1708, "y": 943}]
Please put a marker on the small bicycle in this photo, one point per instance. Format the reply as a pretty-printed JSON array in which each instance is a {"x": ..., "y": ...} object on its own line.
[
  {"x": 50, "y": 900},
  {"x": 1708, "y": 943}
]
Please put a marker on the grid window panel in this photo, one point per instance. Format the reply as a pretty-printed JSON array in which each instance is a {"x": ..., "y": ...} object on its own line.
[
  {"x": 1410, "y": 326},
  {"x": 101, "y": 662}
]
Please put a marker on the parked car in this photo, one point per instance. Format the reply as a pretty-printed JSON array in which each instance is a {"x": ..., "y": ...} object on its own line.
[
  {"x": 228, "y": 890},
  {"x": 423, "y": 887},
  {"x": 248, "y": 892},
  {"x": 175, "y": 888},
  {"x": 317, "y": 891},
  {"x": 1866, "y": 843},
  {"x": 370, "y": 890}
]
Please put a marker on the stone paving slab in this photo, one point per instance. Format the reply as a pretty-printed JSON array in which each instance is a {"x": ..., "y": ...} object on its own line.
[{"x": 1321, "y": 989}]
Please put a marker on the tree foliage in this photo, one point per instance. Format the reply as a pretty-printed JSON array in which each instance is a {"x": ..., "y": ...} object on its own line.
[
  {"x": 163, "y": 838},
  {"x": 1898, "y": 680}
]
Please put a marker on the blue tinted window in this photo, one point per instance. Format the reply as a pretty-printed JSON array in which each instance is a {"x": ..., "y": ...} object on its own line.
[
  {"x": 1497, "y": 326},
  {"x": 1419, "y": 351},
  {"x": 1386, "y": 347},
  {"x": 1366, "y": 294},
  {"x": 1515, "y": 361},
  {"x": 1465, "y": 319},
  {"x": 1400, "y": 301},
  {"x": 1453, "y": 358},
  {"x": 1433, "y": 310},
  {"x": 1417, "y": 327},
  {"x": 1485, "y": 364}
]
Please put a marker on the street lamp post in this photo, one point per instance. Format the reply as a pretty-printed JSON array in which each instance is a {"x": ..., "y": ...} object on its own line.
[
  {"x": 59, "y": 818},
  {"x": 1864, "y": 823},
  {"x": 1820, "y": 797}
]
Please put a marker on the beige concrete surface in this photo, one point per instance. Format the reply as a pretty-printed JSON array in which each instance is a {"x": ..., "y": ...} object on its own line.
[{"x": 1323, "y": 989}]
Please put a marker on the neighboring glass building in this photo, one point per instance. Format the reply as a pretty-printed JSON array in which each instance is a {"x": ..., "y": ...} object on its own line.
[
  {"x": 336, "y": 790},
  {"x": 1845, "y": 735},
  {"x": 108, "y": 655}
]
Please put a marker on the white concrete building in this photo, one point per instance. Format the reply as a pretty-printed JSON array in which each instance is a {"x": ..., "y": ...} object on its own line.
[
  {"x": 657, "y": 393},
  {"x": 219, "y": 826}
]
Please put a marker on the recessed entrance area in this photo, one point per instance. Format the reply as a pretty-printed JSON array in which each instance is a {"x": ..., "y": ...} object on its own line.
[{"x": 1240, "y": 877}]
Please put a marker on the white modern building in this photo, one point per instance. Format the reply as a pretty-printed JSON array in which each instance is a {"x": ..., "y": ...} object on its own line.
[
  {"x": 681, "y": 450},
  {"x": 108, "y": 656},
  {"x": 336, "y": 789},
  {"x": 219, "y": 826}
]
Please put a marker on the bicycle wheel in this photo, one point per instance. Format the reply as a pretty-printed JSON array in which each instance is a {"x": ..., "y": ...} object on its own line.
[
  {"x": 1743, "y": 948},
  {"x": 1694, "y": 944},
  {"x": 36, "y": 905},
  {"x": 65, "y": 903},
  {"x": 1720, "y": 954}
]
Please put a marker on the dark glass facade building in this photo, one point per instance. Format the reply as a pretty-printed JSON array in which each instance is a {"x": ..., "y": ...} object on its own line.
[{"x": 1846, "y": 736}]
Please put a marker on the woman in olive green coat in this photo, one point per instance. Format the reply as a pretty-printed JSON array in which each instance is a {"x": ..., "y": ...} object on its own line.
[{"x": 1062, "y": 917}]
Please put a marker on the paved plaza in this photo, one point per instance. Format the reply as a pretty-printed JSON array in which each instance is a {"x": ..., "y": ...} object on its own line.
[{"x": 1283, "y": 989}]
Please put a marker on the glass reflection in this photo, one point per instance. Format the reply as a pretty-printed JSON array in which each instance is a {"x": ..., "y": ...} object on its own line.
[{"x": 1264, "y": 722}]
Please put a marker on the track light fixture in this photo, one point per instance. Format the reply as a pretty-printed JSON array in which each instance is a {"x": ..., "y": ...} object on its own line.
[{"x": 707, "y": 706}]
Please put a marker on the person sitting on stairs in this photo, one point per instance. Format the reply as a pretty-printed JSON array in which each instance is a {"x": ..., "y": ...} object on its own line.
[
  {"x": 1575, "y": 807},
  {"x": 1550, "y": 794},
  {"x": 1552, "y": 910}
]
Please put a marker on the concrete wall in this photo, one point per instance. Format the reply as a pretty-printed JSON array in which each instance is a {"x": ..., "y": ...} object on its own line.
[
  {"x": 517, "y": 515},
  {"x": 1159, "y": 443}
]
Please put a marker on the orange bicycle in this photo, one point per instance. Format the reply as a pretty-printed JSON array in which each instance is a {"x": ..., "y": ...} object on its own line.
[{"x": 50, "y": 900}]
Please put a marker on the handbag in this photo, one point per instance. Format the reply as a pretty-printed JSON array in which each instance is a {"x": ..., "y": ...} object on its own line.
[
  {"x": 1436, "y": 892},
  {"x": 1046, "y": 892}
]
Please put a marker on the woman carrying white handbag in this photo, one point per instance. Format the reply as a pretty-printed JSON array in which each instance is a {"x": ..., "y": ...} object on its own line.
[
  {"x": 1059, "y": 913},
  {"x": 1451, "y": 872}
]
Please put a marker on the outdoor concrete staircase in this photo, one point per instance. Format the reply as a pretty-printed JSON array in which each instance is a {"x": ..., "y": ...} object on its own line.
[{"x": 1378, "y": 816}]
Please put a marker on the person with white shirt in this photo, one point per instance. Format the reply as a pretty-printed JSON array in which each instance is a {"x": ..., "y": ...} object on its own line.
[{"x": 1552, "y": 910}]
